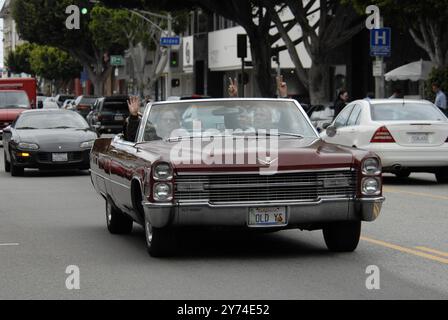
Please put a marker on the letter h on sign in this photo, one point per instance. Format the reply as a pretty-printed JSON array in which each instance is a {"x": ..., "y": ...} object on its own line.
[{"x": 380, "y": 42}]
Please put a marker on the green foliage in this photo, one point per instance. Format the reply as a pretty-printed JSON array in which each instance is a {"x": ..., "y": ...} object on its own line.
[
  {"x": 18, "y": 61},
  {"x": 440, "y": 76},
  {"x": 54, "y": 64}
]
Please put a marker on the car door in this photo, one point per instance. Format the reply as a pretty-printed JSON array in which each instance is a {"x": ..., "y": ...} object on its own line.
[
  {"x": 124, "y": 161},
  {"x": 349, "y": 133}
]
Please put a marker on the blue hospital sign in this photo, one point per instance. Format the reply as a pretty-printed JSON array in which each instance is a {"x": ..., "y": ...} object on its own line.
[{"x": 380, "y": 42}]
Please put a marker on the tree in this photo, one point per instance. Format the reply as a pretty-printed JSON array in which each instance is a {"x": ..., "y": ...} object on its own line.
[
  {"x": 325, "y": 25},
  {"x": 44, "y": 22},
  {"x": 18, "y": 61},
  {"x": 54, "y": 64},
  {"x": 250, "y": 14},
  {"x": 426, "y": 21}
]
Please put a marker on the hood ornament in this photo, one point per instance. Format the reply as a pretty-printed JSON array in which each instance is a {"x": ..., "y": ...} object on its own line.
[{"x": 268, "y": 161}]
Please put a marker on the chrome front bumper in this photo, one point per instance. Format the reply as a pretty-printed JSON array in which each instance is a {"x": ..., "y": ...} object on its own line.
[{"x": 236, "y": 214}]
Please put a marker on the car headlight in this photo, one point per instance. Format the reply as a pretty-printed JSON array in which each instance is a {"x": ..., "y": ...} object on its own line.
[
  {"x": 371, "y": 186},
  {"x": 163, "y": 171},
  {"x": 371, "y": 167},
  {"x": 28, "y": 146},
  {"x": 87, "y": 144},
  {"x": 163, "y": 192}
]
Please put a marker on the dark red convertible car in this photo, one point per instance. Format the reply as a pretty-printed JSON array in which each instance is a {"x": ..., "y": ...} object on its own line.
[{"x": 249, "y": 163}]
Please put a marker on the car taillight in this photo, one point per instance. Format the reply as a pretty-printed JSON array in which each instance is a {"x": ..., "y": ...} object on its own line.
[{"x": 382, "y": 135}]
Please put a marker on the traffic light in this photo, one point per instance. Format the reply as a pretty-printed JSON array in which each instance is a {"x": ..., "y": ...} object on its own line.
[
  {"x": 174, "y": 59},
  {"x": 175, "y": 83}
]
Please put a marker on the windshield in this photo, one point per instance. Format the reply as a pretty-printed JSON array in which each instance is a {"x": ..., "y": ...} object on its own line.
[
  {"x": 117, "y": 106},
  {"x": 10, "y": 100},
  {"x": 48, "y": 120},
  {"x": 226, "y": 118},
  {"x": 406, "y": 111}
]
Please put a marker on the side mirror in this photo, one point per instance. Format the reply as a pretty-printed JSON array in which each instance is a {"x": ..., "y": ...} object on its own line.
[
  {"x": 331, "y": 131},
  {"x": 326, "y": 125},
  {"x": 7, "y": 129}
]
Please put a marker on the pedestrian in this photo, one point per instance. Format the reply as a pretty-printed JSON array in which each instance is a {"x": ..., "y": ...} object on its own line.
[
  {"x": 396, "y": 94},
  {"x": 440, "y": 98},
  {"x": 341, "y": 102}
]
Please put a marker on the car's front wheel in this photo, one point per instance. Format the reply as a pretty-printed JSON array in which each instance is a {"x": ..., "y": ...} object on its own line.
[
  {"x": 117, "y": 221},
  {"x": 7, "y": 164},
  {"x": 16, "y": 171},
  {"x": 160, "y": 242},
  {"x": 442, "y": 175},
  {"x": 342, "y": 236}
]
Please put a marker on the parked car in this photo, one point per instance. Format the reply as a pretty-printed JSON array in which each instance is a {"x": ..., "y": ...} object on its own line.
[
  {"x": 40, "y": 101},
  {"x": 61, "y": 98},
  {"x": 47, "y": 139},
  {"x": 12, "y": 103},
  {"x": 68, "y": 104},
  {"x": 84, "y": 104},
  {"x": 109, "y": 114},
  {"x": 313, "y": 185},
  {"x": 408, "y": 135},
  {"x": 50, "y": 103}
]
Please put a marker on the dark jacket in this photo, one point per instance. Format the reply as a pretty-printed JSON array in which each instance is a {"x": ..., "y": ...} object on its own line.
[
  {"x": 339, "y": 105},
  {"x": 130, "y": 128}
]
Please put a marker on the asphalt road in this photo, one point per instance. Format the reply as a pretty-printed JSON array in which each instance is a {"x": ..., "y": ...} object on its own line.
[{"x": 49, "y": 221}]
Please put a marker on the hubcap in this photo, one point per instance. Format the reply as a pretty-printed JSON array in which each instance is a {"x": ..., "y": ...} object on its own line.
[{"x": 148, "y": 233}]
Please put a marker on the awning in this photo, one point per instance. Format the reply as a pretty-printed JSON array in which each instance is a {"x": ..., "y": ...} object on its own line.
[{"x": 414, "y": 71}]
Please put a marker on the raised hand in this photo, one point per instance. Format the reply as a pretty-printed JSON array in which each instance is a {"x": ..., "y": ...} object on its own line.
[
  {"x": 233, "y": 88},
  {"x": 282, "y": 87},
  {"x": 134, "y": 105}
]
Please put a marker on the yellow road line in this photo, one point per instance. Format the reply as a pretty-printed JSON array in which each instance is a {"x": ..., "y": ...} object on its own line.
[
  {"x": 440, "y": 253},
  {"x": 419, "y": 194},
  {"x": 406, "y": 250}
]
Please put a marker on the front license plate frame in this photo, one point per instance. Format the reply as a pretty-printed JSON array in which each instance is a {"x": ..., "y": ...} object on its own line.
[
  {"x": 119, "y": 118},
  {"x": 267, "y": 217},
  {"x": 59, "y": 157}
]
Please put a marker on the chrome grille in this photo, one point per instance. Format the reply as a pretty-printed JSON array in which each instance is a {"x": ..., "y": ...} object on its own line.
[{"x": 299, "y": 186}]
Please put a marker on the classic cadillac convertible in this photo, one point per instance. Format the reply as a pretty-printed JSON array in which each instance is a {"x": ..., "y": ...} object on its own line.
[{"x": 249, "y": 163}]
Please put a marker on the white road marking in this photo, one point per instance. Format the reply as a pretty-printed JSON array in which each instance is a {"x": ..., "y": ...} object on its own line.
[{"x": 9, "y": 244}]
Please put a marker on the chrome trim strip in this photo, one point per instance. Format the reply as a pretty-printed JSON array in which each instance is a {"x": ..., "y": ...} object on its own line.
[
  {"x": 377, "y": 199},
  {"x": 201, "y": 173},
  {"x": 110, "y": 180},
  {"x": 247, "y": 203}
]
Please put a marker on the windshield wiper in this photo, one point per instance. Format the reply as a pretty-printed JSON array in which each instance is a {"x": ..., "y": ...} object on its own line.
[
  {"x": 62, "y": 127},
  {"x": 268, "y": 134}
]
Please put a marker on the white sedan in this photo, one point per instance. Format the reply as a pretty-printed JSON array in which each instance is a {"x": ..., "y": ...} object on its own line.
[{"x": 408, "y": 135}]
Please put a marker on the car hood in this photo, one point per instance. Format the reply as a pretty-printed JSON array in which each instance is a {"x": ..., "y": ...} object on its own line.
[
  {"x": 9, "y": 115},
  {"x": 291, "y": 154},
  {"x": 56, "y": 140}
]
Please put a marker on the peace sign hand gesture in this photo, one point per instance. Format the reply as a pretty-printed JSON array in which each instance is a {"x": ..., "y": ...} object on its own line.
[{"x": 233, "y": 88}]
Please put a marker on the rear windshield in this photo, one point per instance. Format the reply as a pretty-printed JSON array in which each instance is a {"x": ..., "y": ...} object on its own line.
[
  {"x": 115, "y": 106},
  {"x": 90, "y": 101},
  {"x": 12, "y": 100},
  {"x": 406, "y": 111}
]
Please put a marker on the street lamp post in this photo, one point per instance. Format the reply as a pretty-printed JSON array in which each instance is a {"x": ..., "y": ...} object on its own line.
[{"x": 169, "y": 19}]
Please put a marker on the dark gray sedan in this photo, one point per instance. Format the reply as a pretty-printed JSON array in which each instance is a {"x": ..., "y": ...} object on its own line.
[{"x": 47, "y": 139}]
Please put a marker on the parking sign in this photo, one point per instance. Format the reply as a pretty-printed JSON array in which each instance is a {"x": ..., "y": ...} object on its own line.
[{"x": 380, "y": 42}]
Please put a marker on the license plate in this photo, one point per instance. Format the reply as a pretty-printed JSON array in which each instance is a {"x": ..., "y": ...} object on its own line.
[
  {"x": 59, "y": 157},
  {"x": 267, "y": 217},
  {"x": 119, "y": 118},
  {"x": 419, "y": 138}
]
